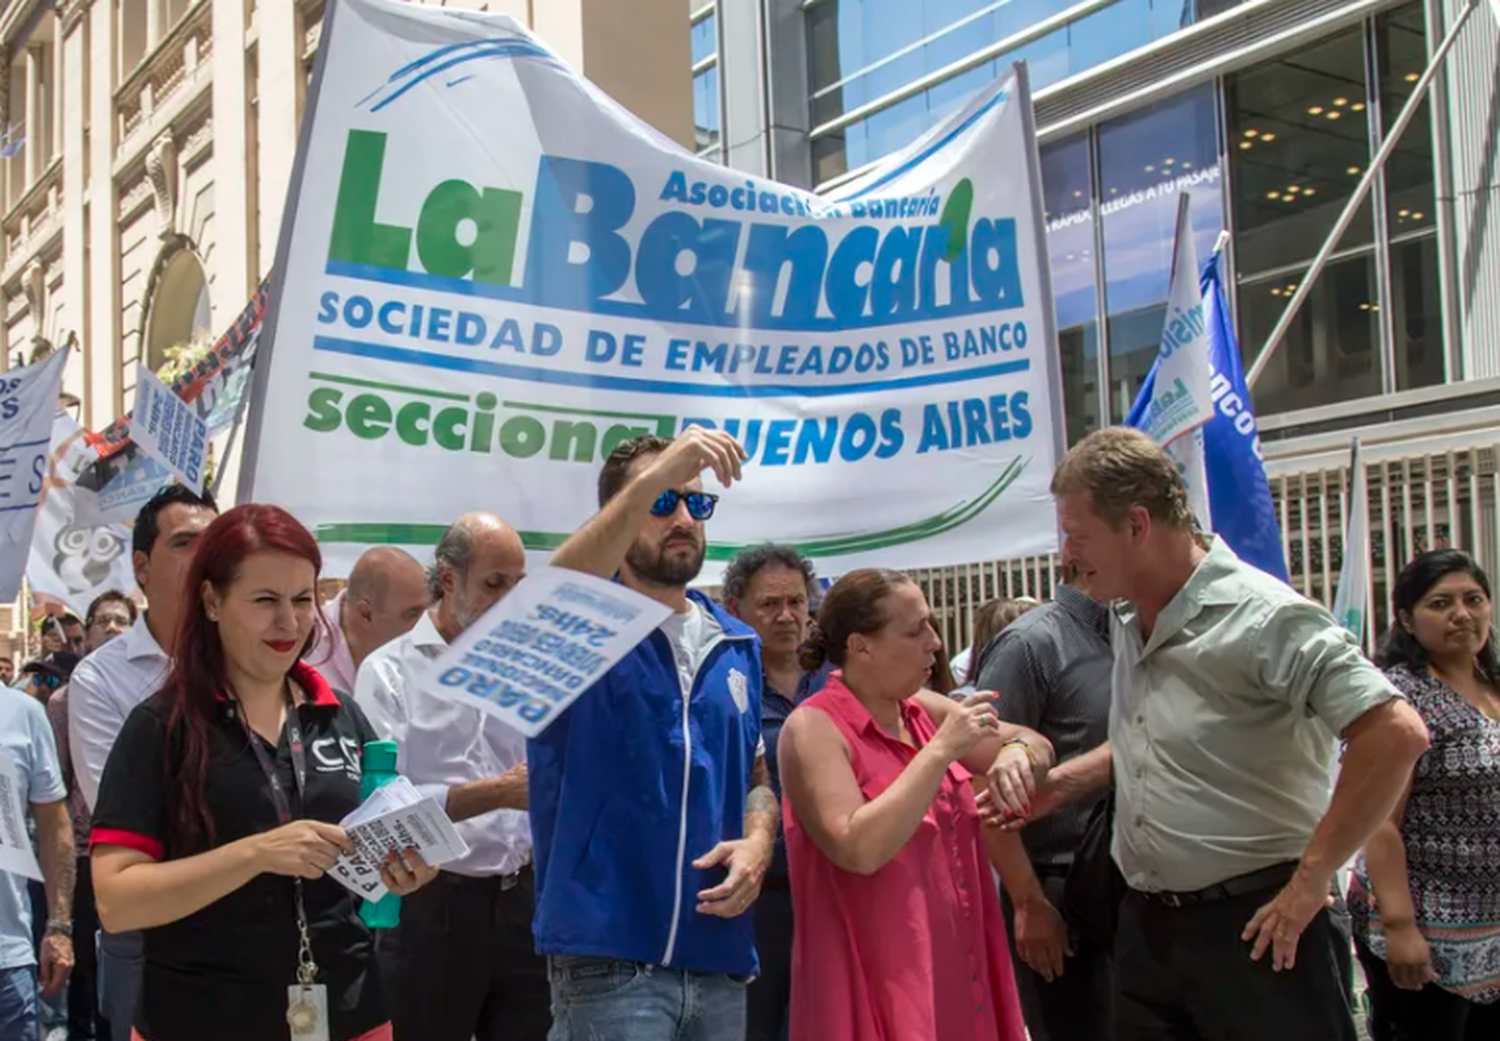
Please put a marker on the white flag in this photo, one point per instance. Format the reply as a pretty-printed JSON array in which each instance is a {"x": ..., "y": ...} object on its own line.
[
  {"x": 1354, "y": 576},
  {"x": 1182, "y": 399},
  {"x": 28, "y": 401}
]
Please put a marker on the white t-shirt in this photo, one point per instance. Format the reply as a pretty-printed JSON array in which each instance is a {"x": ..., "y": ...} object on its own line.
[{"x": 691, "y": 634}]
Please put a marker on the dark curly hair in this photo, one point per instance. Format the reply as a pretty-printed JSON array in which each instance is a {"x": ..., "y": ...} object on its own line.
[{"x": 750, "y": 562}]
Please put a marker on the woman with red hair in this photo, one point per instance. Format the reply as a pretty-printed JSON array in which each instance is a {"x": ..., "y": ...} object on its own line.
[{"x": 217, "y": 815}]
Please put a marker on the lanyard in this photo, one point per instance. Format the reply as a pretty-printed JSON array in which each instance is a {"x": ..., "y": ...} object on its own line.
[{"x": 307, "y": 969}]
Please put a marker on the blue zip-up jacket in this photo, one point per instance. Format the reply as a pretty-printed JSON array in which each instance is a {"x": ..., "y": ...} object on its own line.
[{"x": 628, "y": 787}]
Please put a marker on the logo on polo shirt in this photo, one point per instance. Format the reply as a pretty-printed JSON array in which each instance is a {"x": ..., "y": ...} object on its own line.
[
  {"x": 332, "y": 754},
  {"x": 739, "y": 689}
]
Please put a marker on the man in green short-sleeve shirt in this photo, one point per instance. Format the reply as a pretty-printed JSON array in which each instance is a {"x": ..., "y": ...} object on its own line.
[{"x": 1229, "y": 694}]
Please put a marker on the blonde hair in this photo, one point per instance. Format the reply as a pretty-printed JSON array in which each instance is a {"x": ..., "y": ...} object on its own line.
[{"x": 1121, "y": 468}]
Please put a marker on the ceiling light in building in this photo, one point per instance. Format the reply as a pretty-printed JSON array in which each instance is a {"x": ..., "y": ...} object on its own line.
[
  {"x": 1114, "y": 191},
  {"x": 1077, "y": 195},
  {"x": 1275, "y": 291},
  {"x": 1268, "y": 137},
  {"x": 1352, "y": 171},
  {"x": 1244, "y": 146},
  {"x": 1273, "y": 196},
  {"x": 1341, "y": 102},
  {"x": 1403, "y": 213},
  {"x": 1334, "y": 115},
  {"x": 1150, "y": 168},
  {"x": 1412, "y": 77},
  {"x": 1358, "y": 106},
  {"x": 1416, "y": 216},
  {"x": 1364, "y": 307},
  {"x": 1375, "y": 308},
  {"x": 1293, "y": 189},
  {"x": 1072, "y": 256},
  {"x": 1169, "y": 160},
  {"x": 1309, "y": 191},
  {"x": 1316, "y": 110},
  {"x": 1251, "y": 132}
]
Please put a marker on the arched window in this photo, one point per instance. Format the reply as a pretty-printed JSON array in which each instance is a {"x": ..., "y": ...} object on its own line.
[{"x": 179, "y": 308}]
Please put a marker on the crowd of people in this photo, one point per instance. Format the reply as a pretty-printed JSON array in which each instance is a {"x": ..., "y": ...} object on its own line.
[{"x": 785, "y": 814}]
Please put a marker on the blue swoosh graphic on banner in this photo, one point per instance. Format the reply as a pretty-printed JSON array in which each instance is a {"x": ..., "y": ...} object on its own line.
[
  {"x": 424, "y": 68},
  {"x": 593, "y": 381}
]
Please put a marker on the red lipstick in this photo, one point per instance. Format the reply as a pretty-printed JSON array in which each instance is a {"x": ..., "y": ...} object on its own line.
[{"x": 282, "y": 646}]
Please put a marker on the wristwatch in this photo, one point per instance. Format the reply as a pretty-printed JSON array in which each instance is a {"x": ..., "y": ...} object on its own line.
[{"x": 59, "y": 927}]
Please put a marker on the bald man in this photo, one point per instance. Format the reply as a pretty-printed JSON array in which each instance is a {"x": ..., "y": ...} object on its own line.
[
  {"x": 462, "y": 964},
  {"x": 386, "y": 595}
]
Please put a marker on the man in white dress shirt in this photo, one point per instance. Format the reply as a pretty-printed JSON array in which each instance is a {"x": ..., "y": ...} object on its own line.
[
  {"x": 387, "y": 593},
  {"x": 462, "y": 964},
  {"x": 111, "y": 682}
]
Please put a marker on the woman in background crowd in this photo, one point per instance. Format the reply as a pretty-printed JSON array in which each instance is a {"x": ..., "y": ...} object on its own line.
[
  {"x": 217, "y": 815},
  {"x": 989, "y": 621},
  {"x": 899, "y": 933},
  {"x": 1426, "y": 892}
]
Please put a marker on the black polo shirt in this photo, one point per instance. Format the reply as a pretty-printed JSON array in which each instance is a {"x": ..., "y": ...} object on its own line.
[{"x": 224, "y": 971}]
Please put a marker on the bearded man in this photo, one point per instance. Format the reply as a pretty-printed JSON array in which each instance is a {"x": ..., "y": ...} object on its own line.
[{"x": 651, "y": 805}]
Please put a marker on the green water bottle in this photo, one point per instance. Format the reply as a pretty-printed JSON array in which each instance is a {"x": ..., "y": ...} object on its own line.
[{"x": 379, "y": 768}]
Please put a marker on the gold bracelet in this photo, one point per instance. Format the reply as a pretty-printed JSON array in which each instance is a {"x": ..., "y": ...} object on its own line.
[{"x": 1020, "y": 742}]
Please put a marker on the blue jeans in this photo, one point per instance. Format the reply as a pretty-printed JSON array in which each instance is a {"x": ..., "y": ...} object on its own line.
[
  {"x": 18, "y": 1003},
  {"x": 595, "y": 998}
]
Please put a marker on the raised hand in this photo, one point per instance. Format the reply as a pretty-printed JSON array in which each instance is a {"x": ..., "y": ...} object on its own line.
[{"x": 693, "y": 451}]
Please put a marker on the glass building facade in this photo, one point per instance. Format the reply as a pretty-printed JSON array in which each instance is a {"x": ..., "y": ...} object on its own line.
[
  {"x": 708, "y": 109},
  {"x": 1269, "y": 151}
]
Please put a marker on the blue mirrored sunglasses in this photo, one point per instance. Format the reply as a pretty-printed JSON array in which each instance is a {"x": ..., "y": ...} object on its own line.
[{"x": 700, "y": 504}]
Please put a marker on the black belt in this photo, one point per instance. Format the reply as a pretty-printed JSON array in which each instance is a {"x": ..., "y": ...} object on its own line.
[
  {"x": 1266, "y": 878},
  {"x": 505, "y": 882}
]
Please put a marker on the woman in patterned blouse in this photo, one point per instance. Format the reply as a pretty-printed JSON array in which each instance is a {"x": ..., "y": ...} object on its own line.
[{"x": 1426, "y": 892}]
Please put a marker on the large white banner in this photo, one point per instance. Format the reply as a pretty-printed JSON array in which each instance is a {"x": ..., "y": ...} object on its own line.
[
  {"x": 28, "y": 401},
  {"x": 491, "y": 274}
]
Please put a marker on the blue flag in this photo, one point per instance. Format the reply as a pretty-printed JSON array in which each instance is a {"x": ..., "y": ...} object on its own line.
[{"x": 1239, "y": 495}]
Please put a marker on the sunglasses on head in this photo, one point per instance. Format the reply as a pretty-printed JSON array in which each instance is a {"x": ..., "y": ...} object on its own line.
[{"x": 700, "y": 504}]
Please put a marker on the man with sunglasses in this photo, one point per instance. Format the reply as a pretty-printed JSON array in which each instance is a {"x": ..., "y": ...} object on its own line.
[
  {"x": 45, "y": 675},
  {"x": 651, "y": 810}
]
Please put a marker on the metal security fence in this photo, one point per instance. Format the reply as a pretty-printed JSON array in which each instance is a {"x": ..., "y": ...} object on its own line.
[{"x": 1448, "y": 496}]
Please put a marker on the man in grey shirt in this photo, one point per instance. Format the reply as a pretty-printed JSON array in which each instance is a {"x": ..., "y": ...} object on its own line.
[
  {"x": 1228, "y": 689},
  {"x": 1052, "y": 669}
]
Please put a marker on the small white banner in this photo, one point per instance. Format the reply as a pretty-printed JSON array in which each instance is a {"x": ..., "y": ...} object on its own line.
[
  {"x": 169, "y": 429},
  {"x": 16, "y": 854},
  {"x": 535, "y": 652},
  {"x": 28, "y": 401},
  {"x": 394, "y": 817}
]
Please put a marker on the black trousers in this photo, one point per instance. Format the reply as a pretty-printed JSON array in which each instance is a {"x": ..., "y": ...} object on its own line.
[
  {"x": 1079, "y": 1004},
  {"x": 462, "y": 964},
  {"x": 1429, "y": 1014},
  {"x": 1184, "y": 974},
  {"x": 770, "y": 995},
  {"x": 85, "y": 1021}
]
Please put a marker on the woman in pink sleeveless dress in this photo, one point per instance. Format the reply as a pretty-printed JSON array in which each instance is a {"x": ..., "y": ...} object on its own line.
[{"x": 899, "y": 934}]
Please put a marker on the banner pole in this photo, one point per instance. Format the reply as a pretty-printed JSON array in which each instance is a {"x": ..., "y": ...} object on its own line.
[
  {"x": 234, "y": 428},
  {"x": 1304, "y": 287}
]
